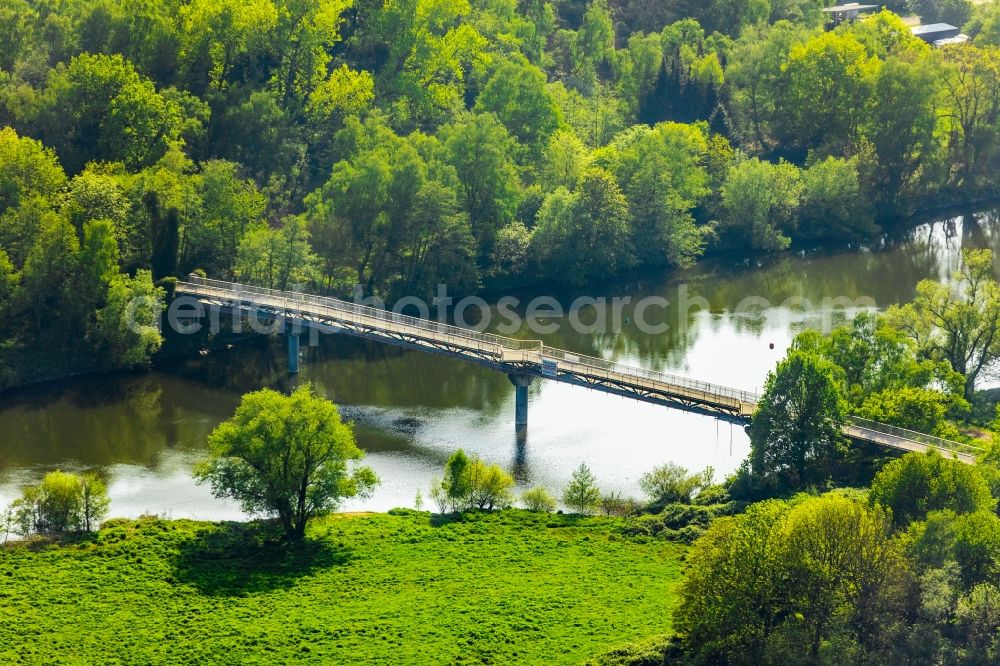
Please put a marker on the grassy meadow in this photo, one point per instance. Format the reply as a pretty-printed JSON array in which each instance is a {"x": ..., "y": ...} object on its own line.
[{"x": 401, "y": 588}]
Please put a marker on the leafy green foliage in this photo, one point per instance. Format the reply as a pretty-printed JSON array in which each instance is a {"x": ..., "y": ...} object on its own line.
[
  {"x": 286, "y": 456},
  {"x": 759, "y": 200},
  {"x": 958, "y": 322},
  {"x": 473, "y": 484},
  {"x": 833, "y": 206},
  {"x": 796, "y": 430},
  {"x": 826, "y": 84},
  {"x": 593, "y": 222},
  {"x": 517, "y": 95},
  {"x": 784, "y": 577},
  {"x": 670, "y": 483},
  {"x": 61, "y": 503},
  {"x": 873, "y": 357},
  {"x": 276, "y": 258},
  {"x": 127, "y": 330},
  {"x": 917, "y": 409},
  {"x": 538, "y": 499},
  {"x": 954, "y": 12},
  {"x": 99, "y": 108},
  {"x": 917, "y": 483},
  {"x": 582, "y": 494},
  {"x": 484, "y": 144}
]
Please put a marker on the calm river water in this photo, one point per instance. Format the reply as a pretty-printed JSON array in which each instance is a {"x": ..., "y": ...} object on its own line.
[{"x": 411, "y": 409}]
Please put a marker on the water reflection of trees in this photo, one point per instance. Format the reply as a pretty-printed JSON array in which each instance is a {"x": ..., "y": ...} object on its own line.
[
  {"x": 357, "y": 372},
  {"x": 96, "y": 423},
  {"x": 886, "y": 274}
]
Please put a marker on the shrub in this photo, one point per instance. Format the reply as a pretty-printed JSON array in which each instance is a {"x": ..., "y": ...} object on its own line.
[
  {"x": 62, "y": 502},
  {"x": 538, "y": 499},
  {"x": 613, "y": 504},
  {"x": 489, "y": 486},
  {"x": 672, "y": 483},
  {"x": 676, "y": 516},
  {"x": 472, "y": 483},
  {"x": 713, "y": 494},
  {"x": 920, "y": 482}
]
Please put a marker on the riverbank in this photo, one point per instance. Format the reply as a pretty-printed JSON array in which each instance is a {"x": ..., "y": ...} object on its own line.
[
  {"x": 21, "y": 369},
  {"x": 505, "y": 587}
]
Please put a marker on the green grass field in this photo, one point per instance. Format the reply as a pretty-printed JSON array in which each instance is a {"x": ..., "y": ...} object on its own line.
[{"x": 504, "y": 588}]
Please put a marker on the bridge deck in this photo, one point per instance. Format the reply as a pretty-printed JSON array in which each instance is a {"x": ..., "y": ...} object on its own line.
[{"x": 532, "y": 357}]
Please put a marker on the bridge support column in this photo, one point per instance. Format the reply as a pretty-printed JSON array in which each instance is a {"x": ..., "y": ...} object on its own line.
[
  {"x": 521, "y": 384},
  {"x": 293, "y": 353}
]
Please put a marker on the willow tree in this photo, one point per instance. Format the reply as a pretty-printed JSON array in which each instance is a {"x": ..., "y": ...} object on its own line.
[{"x": 286, "y": 456}]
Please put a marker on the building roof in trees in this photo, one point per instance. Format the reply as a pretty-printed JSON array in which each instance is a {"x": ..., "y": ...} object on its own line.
[{"x": 933, "y": 32}]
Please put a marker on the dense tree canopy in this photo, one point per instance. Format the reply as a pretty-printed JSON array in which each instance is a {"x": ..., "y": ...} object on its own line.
[
  {"x": 783, "y": 578},
  {"x": 483, "y": 144}
]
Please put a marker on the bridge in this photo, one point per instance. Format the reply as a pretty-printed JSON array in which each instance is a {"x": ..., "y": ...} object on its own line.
[{"x": 521, "y": 360}]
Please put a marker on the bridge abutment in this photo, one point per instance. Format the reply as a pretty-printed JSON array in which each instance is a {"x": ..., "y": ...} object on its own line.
[{"x": 521, "y": 384}]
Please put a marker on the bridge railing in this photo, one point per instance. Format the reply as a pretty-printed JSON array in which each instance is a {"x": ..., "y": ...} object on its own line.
[
  {"x": 288, "y": 298},
  {"x": 929, "y": 441},
  {"x": 662, "y": 377}
]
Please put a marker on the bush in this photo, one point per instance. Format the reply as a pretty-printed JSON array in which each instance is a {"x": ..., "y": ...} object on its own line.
[
  {"x": 714, "y": 494},
  {"x": 672, "y": 483},
  {"x": 538, "y": 499},
  {"x": 676, "y": 516},
  {"x": 472, "y": 483},
  {"x": 678, "y": 522},
  {"x": 613, "y": 504},
  {"x": 61, "y": 503},
  {"x": 916, "y": 483},
  {"x": 489, "y": 486}
]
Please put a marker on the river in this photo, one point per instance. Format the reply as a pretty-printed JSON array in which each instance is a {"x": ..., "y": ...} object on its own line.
[{"x": 145, "y": 431}]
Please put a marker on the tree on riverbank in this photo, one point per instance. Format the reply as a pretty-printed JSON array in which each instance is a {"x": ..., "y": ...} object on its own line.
[
  {"x": 582, "y": 493},
  {"x": 959, "y": 322},
  {"x": 62, "y": 502},
  {"x": 470, "y": 483},
  {"x": 286, "y": 456}
]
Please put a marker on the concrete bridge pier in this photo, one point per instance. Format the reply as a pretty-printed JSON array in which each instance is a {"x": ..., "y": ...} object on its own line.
[
  {"x": 293, "y": 353},
  {"x": 521, "y": 384}
]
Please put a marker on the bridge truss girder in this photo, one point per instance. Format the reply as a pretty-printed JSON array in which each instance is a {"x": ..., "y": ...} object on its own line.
[{"x": 488, "y": 360}]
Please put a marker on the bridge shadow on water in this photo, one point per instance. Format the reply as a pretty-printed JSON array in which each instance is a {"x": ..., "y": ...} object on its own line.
[{"x": 236, "y": 559}]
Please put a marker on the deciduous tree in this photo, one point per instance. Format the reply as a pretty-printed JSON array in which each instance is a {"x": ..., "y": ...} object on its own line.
[
  {"x": 582, "y": 493},
  {"x": 917, "y": 483},
  {"x": 957, "y": 322},
  {"x": 286, "y": 456},
  {"x": 796, "y": 429}
]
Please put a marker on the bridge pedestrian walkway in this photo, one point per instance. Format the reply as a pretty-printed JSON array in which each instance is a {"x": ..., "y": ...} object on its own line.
[{"x": 524, "y": 359}]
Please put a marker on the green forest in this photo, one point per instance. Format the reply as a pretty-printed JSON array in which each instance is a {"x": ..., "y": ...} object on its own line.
[{"x": 399, "y": 144}]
